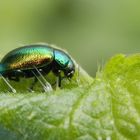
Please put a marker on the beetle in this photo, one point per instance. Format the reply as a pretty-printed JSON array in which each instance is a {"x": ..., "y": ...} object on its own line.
[{"x": 36, "y": 60}]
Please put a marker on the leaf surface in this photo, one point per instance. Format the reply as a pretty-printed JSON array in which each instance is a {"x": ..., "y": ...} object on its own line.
[{"x": 103, "y": 108}]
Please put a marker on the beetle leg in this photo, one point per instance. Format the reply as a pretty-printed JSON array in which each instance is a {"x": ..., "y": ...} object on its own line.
[
  {"x": 15, "y": 75},
  {"x": 16, "y": 78},
  {"x": 33, "y": 84},
  {"x": 46, "y": 88},
  {"x": 46, "y": 84},
  {"x": 59, "y": 79},
  {"x": 11, "y": 88}
]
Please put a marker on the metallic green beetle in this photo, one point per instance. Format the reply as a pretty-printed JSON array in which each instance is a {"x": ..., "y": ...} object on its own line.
[{"x": 36, "y": 60}]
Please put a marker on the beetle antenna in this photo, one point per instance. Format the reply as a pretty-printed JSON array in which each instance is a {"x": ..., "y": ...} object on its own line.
[{"x": 11, "y": 88}]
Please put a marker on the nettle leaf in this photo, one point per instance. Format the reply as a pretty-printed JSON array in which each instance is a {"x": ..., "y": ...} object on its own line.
[{"x": 104, "y": 108}]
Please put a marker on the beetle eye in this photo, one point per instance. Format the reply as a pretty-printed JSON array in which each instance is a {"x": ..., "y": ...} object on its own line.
[{"x": 70, "y": 74}]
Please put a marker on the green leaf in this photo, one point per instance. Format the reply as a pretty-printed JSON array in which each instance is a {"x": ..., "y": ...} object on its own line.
[{"x": 103, "y": 108}]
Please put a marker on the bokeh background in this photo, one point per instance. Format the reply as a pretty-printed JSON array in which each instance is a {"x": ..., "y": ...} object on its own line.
[{"x": 90, "y": 30}]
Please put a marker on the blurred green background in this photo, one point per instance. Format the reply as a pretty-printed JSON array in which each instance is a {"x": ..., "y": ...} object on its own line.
[{"x": 90, "y": 30}]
